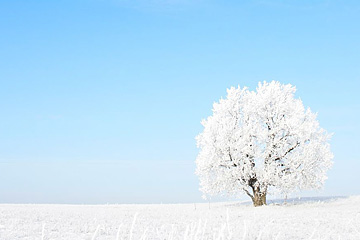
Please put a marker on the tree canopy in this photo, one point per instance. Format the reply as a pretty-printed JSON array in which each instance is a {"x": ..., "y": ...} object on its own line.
[{"x": 259, "y": 142}]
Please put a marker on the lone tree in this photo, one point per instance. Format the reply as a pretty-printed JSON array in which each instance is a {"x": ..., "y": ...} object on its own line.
[{"x": 260, "y": 142}]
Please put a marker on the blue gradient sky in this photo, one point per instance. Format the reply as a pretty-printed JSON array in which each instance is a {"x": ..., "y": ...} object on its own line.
[{"x": 101, "y": 100}]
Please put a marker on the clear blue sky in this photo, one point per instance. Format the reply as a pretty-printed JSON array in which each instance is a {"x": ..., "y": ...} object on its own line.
[{"x": 101, "y": 99}]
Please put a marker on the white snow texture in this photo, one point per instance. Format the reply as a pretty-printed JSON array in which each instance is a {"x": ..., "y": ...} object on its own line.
[{"x": 332, "y": 219}]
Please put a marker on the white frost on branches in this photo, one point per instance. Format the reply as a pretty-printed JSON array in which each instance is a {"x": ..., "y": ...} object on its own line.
[{"x": 263, "y": 138}]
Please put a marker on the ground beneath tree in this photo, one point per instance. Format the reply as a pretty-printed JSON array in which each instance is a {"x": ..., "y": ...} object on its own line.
[{"x": 310, "y": 219}]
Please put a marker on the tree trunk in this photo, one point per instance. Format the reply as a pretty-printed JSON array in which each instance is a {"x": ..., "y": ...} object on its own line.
[{"x": 259, "y": 198}]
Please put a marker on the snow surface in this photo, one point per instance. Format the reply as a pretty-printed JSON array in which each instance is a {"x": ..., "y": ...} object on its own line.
[{"x": 311, "y": 219}]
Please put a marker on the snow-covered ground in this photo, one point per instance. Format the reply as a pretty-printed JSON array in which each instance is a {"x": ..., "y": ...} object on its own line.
[{"x": 325, "y": 219}]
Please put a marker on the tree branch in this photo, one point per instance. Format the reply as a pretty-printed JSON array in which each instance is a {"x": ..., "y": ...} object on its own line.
[
  {"x": 287, "y": 152},
  {"x": 249, "y": 194},
  {"x": 231, "y": 159}
]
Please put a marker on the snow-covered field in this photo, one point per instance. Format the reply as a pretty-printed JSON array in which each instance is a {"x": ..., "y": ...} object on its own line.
[{"x": 326, "y": 219}]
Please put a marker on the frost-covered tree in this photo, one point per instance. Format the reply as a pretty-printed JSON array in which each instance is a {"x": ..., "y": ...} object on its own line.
[{"x": 260, "y": 142}]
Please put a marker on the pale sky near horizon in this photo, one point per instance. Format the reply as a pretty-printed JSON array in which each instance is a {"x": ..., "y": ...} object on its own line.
[{"x": 101, "y": 99}]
